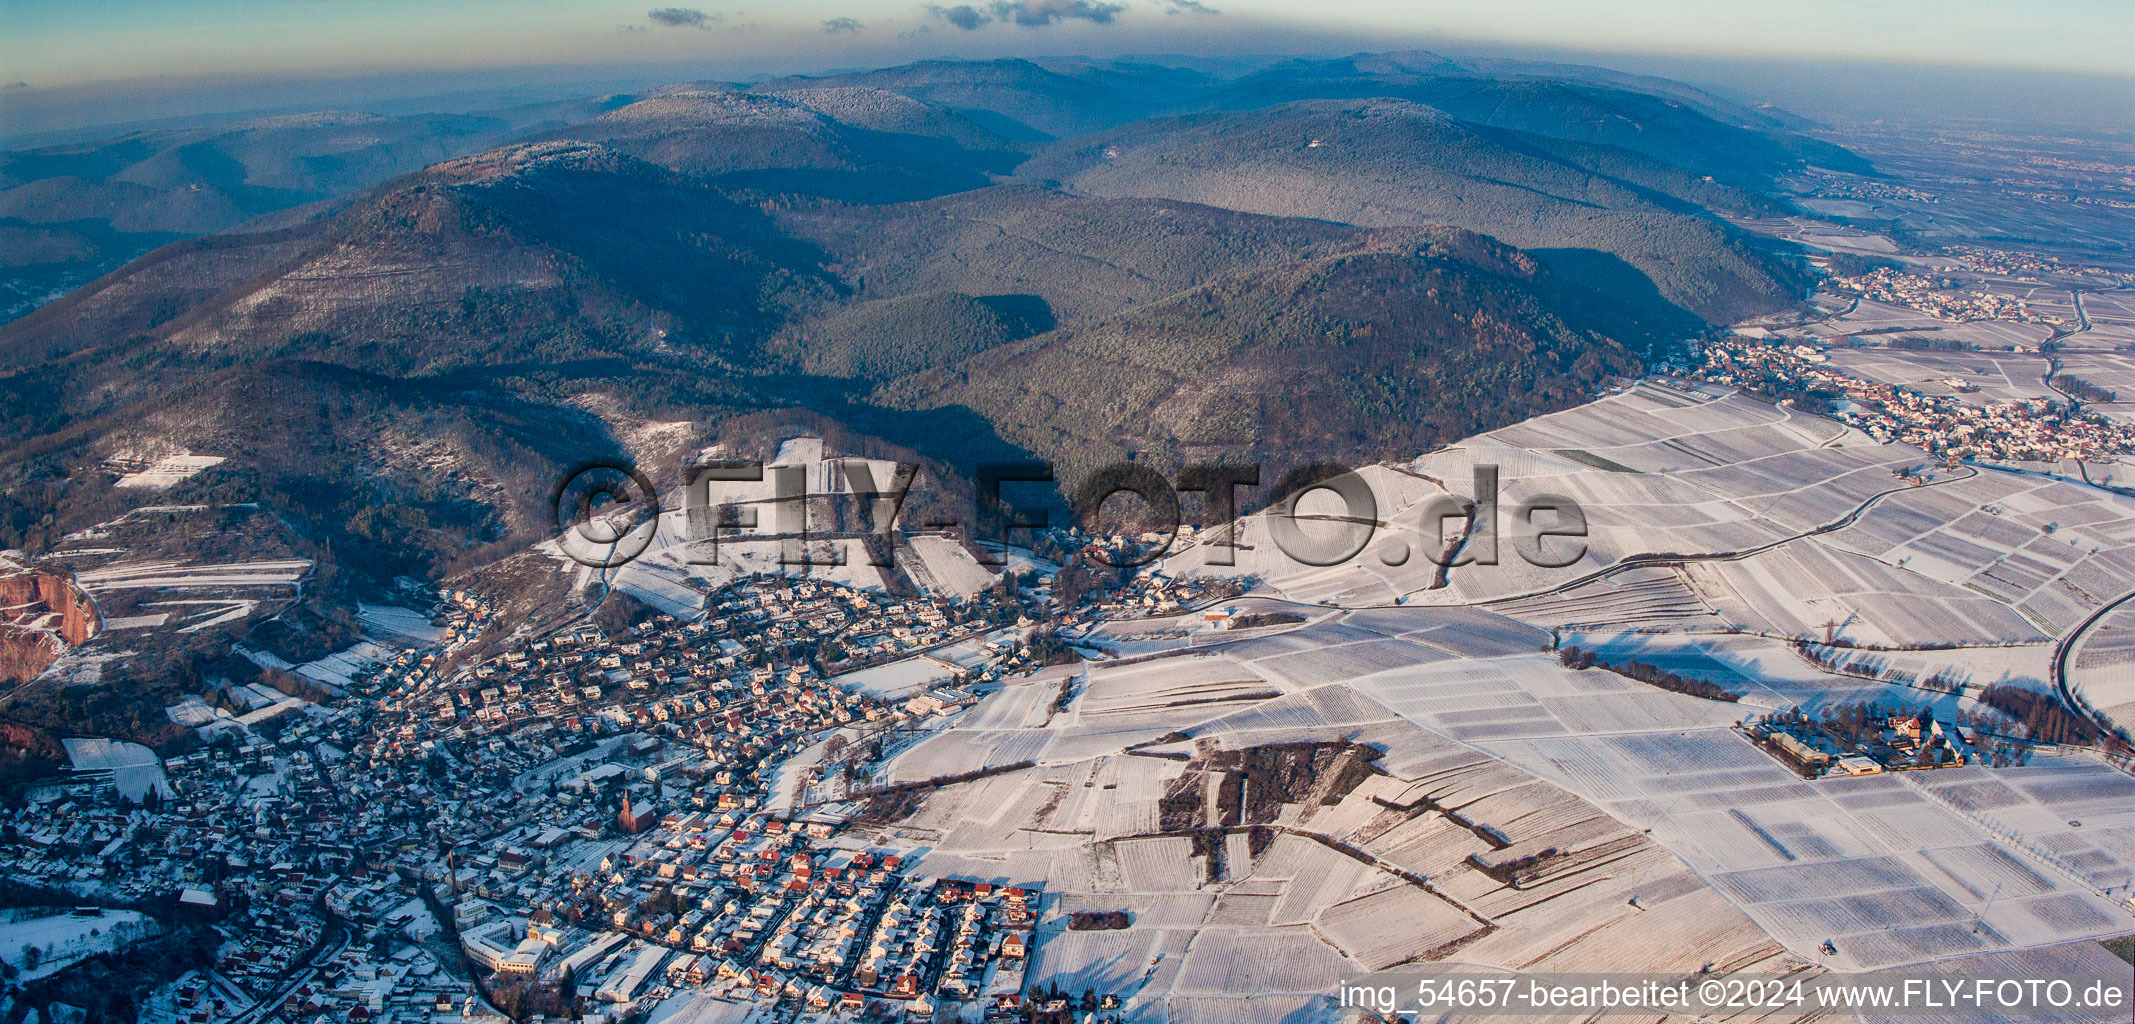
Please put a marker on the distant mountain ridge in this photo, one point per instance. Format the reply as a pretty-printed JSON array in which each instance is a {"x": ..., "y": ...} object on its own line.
[
  {"x": 865, "y": 145},
  {"x": 1665, "y": 120},
  {"x": 1387, "y": 162},
  {"x": 69, "y": 212},
  {"x": 1027, "y": 100},
  {"x": 1050, "y": 99}
]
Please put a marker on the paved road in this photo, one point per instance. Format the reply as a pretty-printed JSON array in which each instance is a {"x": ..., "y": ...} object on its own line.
[
  {"x": 273, "y": 1003},
  {"x": 2067, "y": 647}
]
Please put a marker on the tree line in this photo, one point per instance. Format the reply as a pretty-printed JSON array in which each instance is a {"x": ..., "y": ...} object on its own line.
[{"x": 1580, "y": 659}]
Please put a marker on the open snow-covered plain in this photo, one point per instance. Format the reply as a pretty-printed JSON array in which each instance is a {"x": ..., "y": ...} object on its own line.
[
  {"x": 1522, "y": 815},
  {"x": 1641, "y": 798},
  {"x": 1706, "y": 509}
]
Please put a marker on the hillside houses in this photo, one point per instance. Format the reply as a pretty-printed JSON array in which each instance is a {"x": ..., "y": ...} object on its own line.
[
  {"x": 597, "y": 815},
  {"x": 2036, "y": 430}
]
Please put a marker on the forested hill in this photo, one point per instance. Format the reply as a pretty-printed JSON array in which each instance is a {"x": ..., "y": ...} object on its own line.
[
  {"x": 1067, "y": 258},
  {"x": 1388, "y": 162},
  {"x": 1421, "y": 338}
]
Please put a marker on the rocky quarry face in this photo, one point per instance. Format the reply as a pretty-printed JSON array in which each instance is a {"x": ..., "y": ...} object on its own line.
[{"x": 43, "y": 616}]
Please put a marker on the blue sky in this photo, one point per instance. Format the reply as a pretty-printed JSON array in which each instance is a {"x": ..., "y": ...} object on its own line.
[{"x": 79, "y": 42}]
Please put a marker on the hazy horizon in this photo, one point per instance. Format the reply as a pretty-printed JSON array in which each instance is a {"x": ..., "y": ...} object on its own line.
[
  {"x": 130, "y": 63},
  {"x": 1827, "y": 89}
]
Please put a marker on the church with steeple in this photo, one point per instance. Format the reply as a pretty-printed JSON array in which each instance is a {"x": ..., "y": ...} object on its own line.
[{"x": 633, "y": 820}]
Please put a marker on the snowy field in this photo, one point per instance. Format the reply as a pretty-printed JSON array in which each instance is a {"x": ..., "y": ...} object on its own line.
[
  {"x": 899, "y": 680},
  {"x": 205, "y": 719},
  {"x": 396, "y": 624},
  {"x": 134, "y": 769},
  {"x": 1991, "y": 376},
  {"x": 943, "y": 568},
  {"x": 1872, "y": 315},
  {"x": 1883, "y": 866},
  {"x": 1794, "y": 526},
  {"x": 2102, "y": 667},
  {"x": 167, "y": 471},
  {"x": 341, "y": 668},
  {"x": 173, "y": 574},
  {"x": 1644, "y": 795},
  {"x": 195, "y": 596},
  {"x": 1771, "y": 674},
  {"x": 1334, "y": 892},
  {"x": 64, "y": 939}
]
